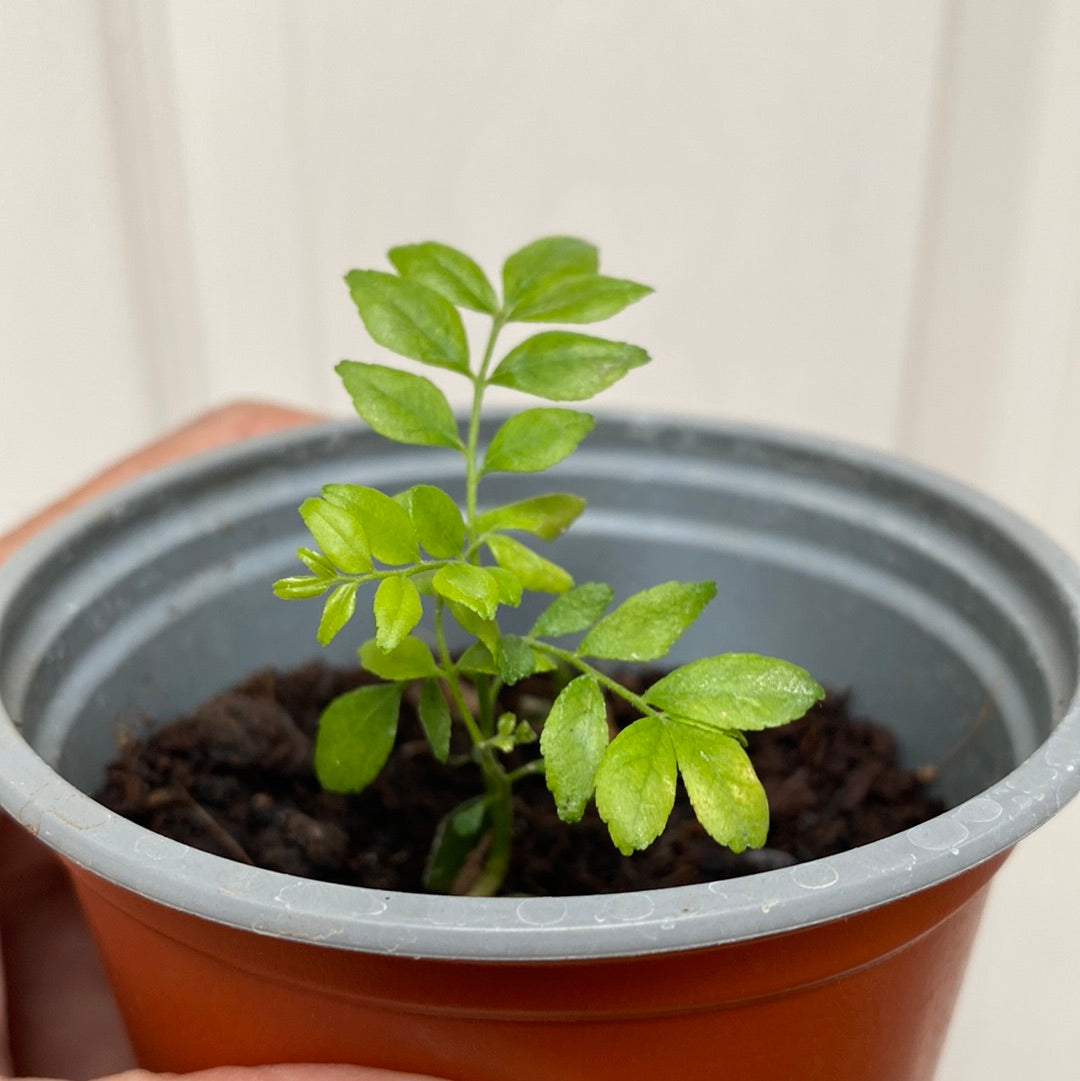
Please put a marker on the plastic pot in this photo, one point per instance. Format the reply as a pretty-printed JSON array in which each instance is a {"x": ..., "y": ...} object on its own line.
[{"x": 956, "y": 624}]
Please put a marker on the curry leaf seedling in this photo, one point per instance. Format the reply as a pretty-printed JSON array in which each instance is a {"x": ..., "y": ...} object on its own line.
[{"x": 419, "y": 554}]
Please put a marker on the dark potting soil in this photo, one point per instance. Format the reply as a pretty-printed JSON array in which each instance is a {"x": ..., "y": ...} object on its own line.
[{"x": 235, "y": 778}]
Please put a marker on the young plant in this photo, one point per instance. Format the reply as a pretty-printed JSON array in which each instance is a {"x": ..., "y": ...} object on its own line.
[{"x": 423, "y": 554}]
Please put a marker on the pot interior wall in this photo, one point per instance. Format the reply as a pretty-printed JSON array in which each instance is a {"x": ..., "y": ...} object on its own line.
[{"x": 934, "y": 617}]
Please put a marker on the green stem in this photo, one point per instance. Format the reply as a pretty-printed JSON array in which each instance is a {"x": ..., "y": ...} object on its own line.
[
  {"x": 449, "y": 674},
  {"x": 472, "y": 464}
]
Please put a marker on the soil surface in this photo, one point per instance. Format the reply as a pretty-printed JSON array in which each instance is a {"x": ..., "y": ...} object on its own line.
[{"x": 234, "y": 778}]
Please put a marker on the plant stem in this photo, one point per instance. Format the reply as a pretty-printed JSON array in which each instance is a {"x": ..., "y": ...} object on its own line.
[
  {"x": 497, "y": 862},
  {"x": 449, "y": 674},
  {"x": 472, "y": 465}
]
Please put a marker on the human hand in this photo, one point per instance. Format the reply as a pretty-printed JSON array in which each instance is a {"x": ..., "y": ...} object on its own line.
[{"x": 57, "y": 1015}]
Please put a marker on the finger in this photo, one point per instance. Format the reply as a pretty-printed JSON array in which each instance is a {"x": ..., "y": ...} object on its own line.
[{"x": 61, "y": 1015}]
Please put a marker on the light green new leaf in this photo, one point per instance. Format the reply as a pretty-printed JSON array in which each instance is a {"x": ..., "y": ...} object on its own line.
[
  {"x": 469, "y": 586},
  {"x": 516, "y": 659},
  {"x": 391, "y": 535},
  {"x": 456, "y": 837},
  {"x": 737, "y": 690},
  {"x": 487, "y": 630},
  {"x": 399, "y": 405},
  {"x": 509, "y": 585},
  {"x": 339, "y": 533},
  {"x": 355, "y": 737},
  {"x": 435, "y": 718},
  {"x": 451, "y": 273},
  {"x": 574, "y": 611},
  {"x": 397, "y": 609},
  {"x": 318, "y": 564},
  {"x": 645, "y": 626},
  {"x": 530, "y": 569},
  {"x": 300, "y": 587},
  {"x": 437, "y": 520},
  {"x": 546, "y": 260},
  {"x": 410, "y": 319},
  {"x": 724, "y": 790},
  {"x": 545, "y": 516},
  {"x": 635, "y": 784},
  {"x": 587, "y": 298},
  {"x": 477, "y": 660},
  {"x": 536, "y": 439},
  {"x": 572, "y": 742},
  {"x": 337, "y": 611},
  {"x": 409, "y": 659},
  {"x": 566, "y": 367}
]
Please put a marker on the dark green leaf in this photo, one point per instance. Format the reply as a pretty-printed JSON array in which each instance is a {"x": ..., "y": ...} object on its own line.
[
  {"x": 645, "y": 626},
  {"x": 470, "y": 586},
  {"x": 572, "y": 742},
  {"x": 410, "y": 319},
  {"x": 339, "y": 533},
  {"x": 300, "y": 588},
  {"x": 546, "y": 516},
  {"x": 435, "y": 718},
  {"x": 456, "y": 837},
  {"x": 397, "y": 611},
  {"x": 530, "y": 569},
  {"x": 390, "y": 533},
  {"x": 355, "y": 737},
  {"x": 587, "y": 298},
  {"x": 737, "y": 690},
  {"x": 536, "y": 439},
  {"x": 566, "y": 367},
  {"x": 437, "y": 519},
  {"x": 724, "y": 790},
  {"x": 546, "y": 260},
  {"x": 410, "y": 659},
  {"x": 635, "y": 784},
  {"x": 337, "y": 611},
  {"x": 399, "y": 405},
  {"x": 574, "y": 611},
  {"x": 451, "y": 273},
  {"x": 516, "y": 659}
]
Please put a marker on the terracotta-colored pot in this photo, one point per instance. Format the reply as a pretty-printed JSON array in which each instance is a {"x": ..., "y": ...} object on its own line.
[{"x": 956, "y": 623}]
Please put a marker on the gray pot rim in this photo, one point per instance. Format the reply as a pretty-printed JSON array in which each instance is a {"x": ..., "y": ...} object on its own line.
[{"x": 543, "y": 929}]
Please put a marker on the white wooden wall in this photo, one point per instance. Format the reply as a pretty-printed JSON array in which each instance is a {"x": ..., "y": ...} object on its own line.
[{"x": 861, "y": 219}]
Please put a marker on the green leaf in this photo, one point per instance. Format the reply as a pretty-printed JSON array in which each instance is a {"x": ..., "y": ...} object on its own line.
[
  {"x": 587, "y": 298},
  {"x": 300, "y": 588},
  {"x": 574, "y": 611},
  {"x": 536, "y": 439},
  {"x": 546, "y": 260},
  {"x": 470, "y": 586},
  {"x": 487, "y": 630},
  {"x": 318, "y": 564},
  {"x": 509, "y": 585},
  {"x": 737, "y": 690},
  {"x": 409, "y": 659},
  {"x": 390, "y": 533},
  {"x": 451, "y": 273},
  {"x": 573, "y": 742},
  {"x": 477, "y": 660},
  {"x": 410, "y": 319},
  {"x": 566, "y": 367},
  {"x": 399, "y": 405},
  {"x": 339, "y": 533},
  {"x": 456, "y": 837},
  {"x": 355, "y": 737},
  {"x": 397, "y": 611},
  {"x": 645, "y": 626},
  {"x": 435, "y": 718},
  {"x": 516, "y": 659},
  {"x": 546, "y": 516},
  {"x": 337, "y": 611},
  {"x": 437, "y": 520},
  {"x": 724, "y": 790},
  {"x": 530, "y": 569},
  {"x": 635, "y": 784}
]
